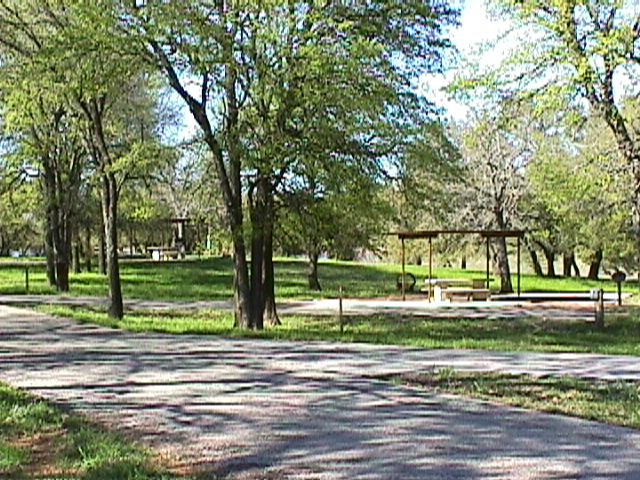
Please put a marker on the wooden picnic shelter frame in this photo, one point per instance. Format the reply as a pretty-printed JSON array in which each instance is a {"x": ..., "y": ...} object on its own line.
[{"x": 431, "y": 234}]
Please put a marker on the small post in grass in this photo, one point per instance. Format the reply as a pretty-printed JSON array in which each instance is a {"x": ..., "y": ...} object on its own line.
[
  {"x": 26, "y": 278},
  {"x": 340, "y": 317},
  {"x": 597, "y": 294}
]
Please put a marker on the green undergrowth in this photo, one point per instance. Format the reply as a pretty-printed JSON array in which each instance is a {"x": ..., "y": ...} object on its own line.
[
  {"x": 40, "y": 440},
  {"x": 620, "y": 336},
  {"x": 613, "y": 402}
]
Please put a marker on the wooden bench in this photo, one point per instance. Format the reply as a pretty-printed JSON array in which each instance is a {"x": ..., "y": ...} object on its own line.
[{"x": 476, "y": 294}]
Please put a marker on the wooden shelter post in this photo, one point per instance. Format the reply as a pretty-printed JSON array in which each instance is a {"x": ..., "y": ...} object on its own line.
[
  {"x": 403, "y": 276},
  {"x": 488, "y": 260},
  {"x": 430, "y": 265},
  {"x": 518, "y": 254}
]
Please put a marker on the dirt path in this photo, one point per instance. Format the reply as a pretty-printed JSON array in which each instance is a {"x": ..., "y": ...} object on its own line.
[{"x": 261, "y": 409}]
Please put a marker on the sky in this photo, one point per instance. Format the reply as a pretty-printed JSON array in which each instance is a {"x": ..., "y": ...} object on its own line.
[{"x": 476, "y": 27}]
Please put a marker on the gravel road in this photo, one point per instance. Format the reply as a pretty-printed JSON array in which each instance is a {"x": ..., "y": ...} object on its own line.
[{"x": 260, "y": 409}]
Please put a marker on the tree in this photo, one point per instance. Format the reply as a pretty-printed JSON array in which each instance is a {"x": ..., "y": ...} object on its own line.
[
  {"x": 79, "y": 60},
  {"x": 257, "y": 65},
  {"x": 44, "y": 129},
  {"x": 495, "y": 151},
  {"x": 332, "y": 215},
  {"x": 577, "y": 50},
  {"x": 578, "y": 198}
]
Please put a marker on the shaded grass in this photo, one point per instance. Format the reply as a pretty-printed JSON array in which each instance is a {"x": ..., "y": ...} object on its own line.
[
  {"x": 613, "y": 402},
  {"x": 212, "y": 279},
  {"x": 38, "y": 439},
  {"x": 620, "y": 336}
]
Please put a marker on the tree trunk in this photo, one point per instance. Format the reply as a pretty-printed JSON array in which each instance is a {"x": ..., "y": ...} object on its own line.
[
  {"x": 567, "y": 263},
  {"x": 503, "y": 265},
  {"x": 62, "y": 271},
  {"x": 576, "y": 269},
  {"x": 102, "y": 250},
  {"x": 76, "y": 262},
  {"x": 257, "y": 283},
  {"x": 271, "y": 313},
  {"x": 594, "y": 267},
  {"x": 110, "y": 214},
  {"x": 537, "y": 268},
  {"x": 62, "y": 247},
  {"x": 463, "y": 262},
  {"x": 226, "y": 150},
  {"x": 131, "y": 242},
  {"x": 312, "y": 275},
  {"x": 88, "y": 251},
  {"x": 242, "y": 290},
  {"x": 51, "y": 257},
  {"x": 550, "y": 257}
]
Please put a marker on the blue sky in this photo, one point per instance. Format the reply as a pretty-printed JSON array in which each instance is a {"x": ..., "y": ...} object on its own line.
[{"x": 476, "y": 27}]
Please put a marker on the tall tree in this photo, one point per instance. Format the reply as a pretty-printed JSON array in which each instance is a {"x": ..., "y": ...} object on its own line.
[
  {"x": 495, "y": 151},
  {"x": 79, "y": 58},
  {"x": 262, "y": 61},
  {"x": 577, "y": 50},
  {"x": 45, "y": 129}
]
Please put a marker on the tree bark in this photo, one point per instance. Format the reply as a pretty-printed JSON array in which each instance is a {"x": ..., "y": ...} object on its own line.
[
  {"x": 537, "y": 268},
  {"x": 75, "y": 259},
  {"x": 109, "y": 203},
  {"x": 77, "y": 263},
  {"x": 550, "y": 257},
  {"x": 58, "y": 220},
  {"x": 88, "y": 251},
  {"x": 102, "y": 249},
  {"x": 109, "y": 213},
  {"x": 502, "y": 260},
  {"x": 576, "y": 269},
  {"x": 312, "y": 275},
  {"x": 567, "y": 263},
  {"x": 50, "y": 254},
  {"x": 63, "y": 255},
  {"x": 594, "y": 267},
  {"x": 271, "y": 313}
]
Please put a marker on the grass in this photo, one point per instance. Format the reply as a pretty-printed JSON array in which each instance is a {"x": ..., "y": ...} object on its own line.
[
  {"x": 212, "y": 279},
  {"x": 620, "y": 336},
  {"x": 40, "y": 440},
  {"x": 613, "y": 402}
]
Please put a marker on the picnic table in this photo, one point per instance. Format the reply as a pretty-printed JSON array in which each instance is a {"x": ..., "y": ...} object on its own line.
[
  {"x": 465, "y": 288},
  {"x": 163, "y": 253}
]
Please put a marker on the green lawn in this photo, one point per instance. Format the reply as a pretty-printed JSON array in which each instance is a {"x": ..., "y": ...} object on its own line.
[
  {"x": 39, "y": 440},
  {"x": 620, "y": 336},
  {"x": 611, "y": 402},
  {"x": 211, "y": 279}
]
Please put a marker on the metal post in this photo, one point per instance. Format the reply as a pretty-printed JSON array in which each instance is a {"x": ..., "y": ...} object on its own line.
[
  {"x": 403, "y": 274},
  {"x": 518, "y": 267}
]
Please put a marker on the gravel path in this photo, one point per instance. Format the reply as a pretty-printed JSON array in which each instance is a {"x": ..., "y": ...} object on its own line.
[
  {"x": 552, "y": 310},
  {"x": 260, "y": 409}
]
